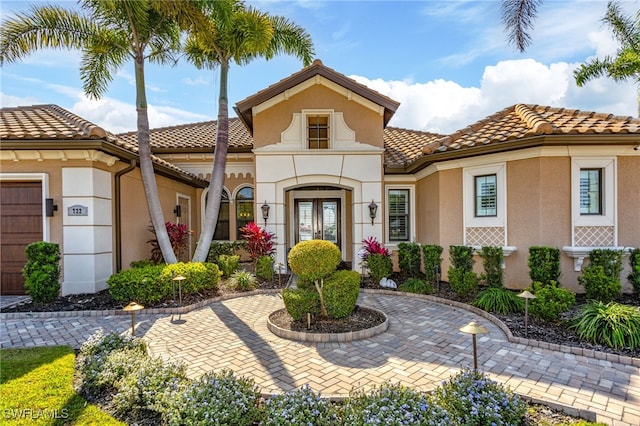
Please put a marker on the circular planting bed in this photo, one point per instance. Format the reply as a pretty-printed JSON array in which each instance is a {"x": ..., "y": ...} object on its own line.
[{"x": 362, "y": 324}]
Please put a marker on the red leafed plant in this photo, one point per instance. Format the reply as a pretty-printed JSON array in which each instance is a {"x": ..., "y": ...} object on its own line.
[
  {"x": 179, "y": 237},
  {"x": 373, "y": 246},
  {"x": 259, "y": 241}
]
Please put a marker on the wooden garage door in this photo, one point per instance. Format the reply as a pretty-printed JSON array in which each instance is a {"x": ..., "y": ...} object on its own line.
[{"x": 20, "y": 224}]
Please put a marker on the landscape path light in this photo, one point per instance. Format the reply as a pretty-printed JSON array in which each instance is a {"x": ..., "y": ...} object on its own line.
[
  {"x": 526, "y": 295},
  {"x": 133, "y": 307},
  {"x": 474, "y": 328}
]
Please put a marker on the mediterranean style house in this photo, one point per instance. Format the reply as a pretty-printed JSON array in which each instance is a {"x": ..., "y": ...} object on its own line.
[{"x": 312, "y": 156}]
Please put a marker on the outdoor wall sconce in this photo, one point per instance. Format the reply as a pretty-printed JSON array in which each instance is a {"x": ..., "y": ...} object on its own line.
[
  {"x": 265, "y": 212},
  {"x": 50, "y": 207},
  {"x": 133, "y": 307},
  {"x": 474, "y": 328},
  {"x": 373, "y": 210},
  {"x": 526, "y": 295},
  {"x": 178, "y": 210}
]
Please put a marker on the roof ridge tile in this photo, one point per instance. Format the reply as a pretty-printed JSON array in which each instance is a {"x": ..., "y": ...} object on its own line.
[{"x": 533, "y": 120}]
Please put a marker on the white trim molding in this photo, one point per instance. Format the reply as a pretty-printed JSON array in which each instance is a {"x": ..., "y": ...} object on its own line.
[
  {"x": 493, "y": 228},
  {"x": 579, "y": 254}
]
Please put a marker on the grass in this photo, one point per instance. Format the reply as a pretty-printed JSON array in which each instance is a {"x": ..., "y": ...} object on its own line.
[{"x": 36, "y": 388}]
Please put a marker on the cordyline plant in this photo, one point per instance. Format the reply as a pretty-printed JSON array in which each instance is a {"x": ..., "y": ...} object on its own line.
[
  {"x": 373, "y": 246},
  {"x": 178, "y": 236},
  {"x": 259, "y": 241}
]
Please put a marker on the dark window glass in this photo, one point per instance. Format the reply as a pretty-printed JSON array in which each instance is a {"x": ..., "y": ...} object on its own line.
[
  {"x": 591, "y": 191},
  {"x": 244, "y": 209},
  {"x": 398, "y": 215},
  {"x": 486, "y": 196}
]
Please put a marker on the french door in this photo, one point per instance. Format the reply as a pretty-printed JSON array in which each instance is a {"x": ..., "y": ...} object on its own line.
[{"x": 317, "y": 219}]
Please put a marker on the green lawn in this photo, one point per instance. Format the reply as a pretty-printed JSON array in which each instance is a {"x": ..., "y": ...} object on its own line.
[{"x": 36, "y": 388}]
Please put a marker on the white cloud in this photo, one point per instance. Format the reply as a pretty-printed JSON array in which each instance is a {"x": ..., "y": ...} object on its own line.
[
  {"x": 198, "y": 81},
  {"x": 7, "y": 101},
  {"x": 446, "y": 106}
]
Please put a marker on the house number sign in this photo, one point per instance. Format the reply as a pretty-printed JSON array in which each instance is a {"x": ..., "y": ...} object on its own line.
[{"x": 78, "y": 210}]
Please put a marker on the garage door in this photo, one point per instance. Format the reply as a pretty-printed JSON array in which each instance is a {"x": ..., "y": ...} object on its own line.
[{"x": 20, "y": 224}]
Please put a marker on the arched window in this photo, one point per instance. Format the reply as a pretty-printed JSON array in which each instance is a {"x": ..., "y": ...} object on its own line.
[
  {"x": 222, "y": 227},
  {"x": 244, "y": 209}
]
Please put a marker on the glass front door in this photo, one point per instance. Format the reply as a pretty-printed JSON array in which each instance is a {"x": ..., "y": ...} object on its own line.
[{"x": 318, "y": 219}]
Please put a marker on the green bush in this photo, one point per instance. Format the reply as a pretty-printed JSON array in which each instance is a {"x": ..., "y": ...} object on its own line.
[
  {"x": 228, "y": 264},
  {"x": 199, "y": 276},
  {"x": 299, "y": 302},
  {"x": 341, "y": 292},
  {"x": 314, "y": 260},
  {"x": 42, "y": 271},
  {"x": 610, "y": 260},
  {"x": 550, "y": 301},
  {"x": 224, "y": 247},
  {"x": 416, "y": 285},
  {"x": 634, "y": 276},
  {"x": 242, "y": 280},
  {"x": 471, "y": 398},
  {"x": 140, "y": 285},
  {"x": 499, "y": 300},
  {"x": 214, "y": 399},
  {"x": 432, "y": 259},
  {"x": 409, "y": 258},
  {"x": 544, "y": 264},
  {"x": 461, "y": 257},
  {"x": 611, "y": 324},
  {"x": 299, "y": 407},
  {"x": 264, "y": 268},
  {"x": 380, "y": 266},
  {"x": 492, "y": 259},
  {"x": 598, "y": 285},
  {"x": 141, "y": 263},
  {"x": 463, "y": 283}
]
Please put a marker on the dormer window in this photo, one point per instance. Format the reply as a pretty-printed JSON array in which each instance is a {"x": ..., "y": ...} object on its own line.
[{"x": 318, "y": 131}]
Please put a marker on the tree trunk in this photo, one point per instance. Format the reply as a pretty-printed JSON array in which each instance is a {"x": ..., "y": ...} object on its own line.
[
  {"x": 323, "y": 308},
  {"x": 146, "y": 166},
  {"x": 214, "y": 196}
]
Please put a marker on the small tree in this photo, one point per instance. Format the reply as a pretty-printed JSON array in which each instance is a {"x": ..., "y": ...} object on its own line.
[
  {"x": 313, "y": 261},
  {"x": 259, "y": 241},
  {"x": 42, "y": 271}
]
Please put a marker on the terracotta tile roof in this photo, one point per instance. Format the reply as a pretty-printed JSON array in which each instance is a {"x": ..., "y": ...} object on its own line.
[
  {"x": 200, "y": 136},
  {"x": 51, "y": 124},
  {"x": 403, "y": 146},
  {"x": 523, "y": 121}
]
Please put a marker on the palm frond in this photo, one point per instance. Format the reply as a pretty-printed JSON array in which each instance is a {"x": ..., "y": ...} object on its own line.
[
  {"x": 591, "y": 69},
  {"x": 290, "y": 39},
  {"x": 517, "y": 18},
  {"x": 99, "y": 63},
  {"x": 624, "y": 28}
]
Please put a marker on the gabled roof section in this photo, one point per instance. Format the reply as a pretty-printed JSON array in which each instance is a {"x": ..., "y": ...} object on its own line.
[
  {"x": 523, "y": 121},
  {"x": 50, "y": 127},
  {"x": 195, "y": 137},
  {"x": 313, "y": 71}
]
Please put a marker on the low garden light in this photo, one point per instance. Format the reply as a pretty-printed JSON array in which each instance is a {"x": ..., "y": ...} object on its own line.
[
  {"x": 526, "y": 295},
  {"x": 133, "y": 307},
  {"x": 473, "y": 328},
  {"x": 178, "y": 279},
  {"x": 373, "y": 210}
]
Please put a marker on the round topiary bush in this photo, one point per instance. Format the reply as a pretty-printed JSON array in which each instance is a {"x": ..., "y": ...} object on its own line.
[
  {"x": 340, "y": 293},
  {"x": 299, "y": 302}
]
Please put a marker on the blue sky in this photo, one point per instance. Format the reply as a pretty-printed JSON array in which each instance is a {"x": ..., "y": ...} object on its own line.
[{"x": 447, "y": 62}]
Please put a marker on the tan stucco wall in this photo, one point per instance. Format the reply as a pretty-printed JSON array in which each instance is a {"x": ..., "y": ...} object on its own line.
[
  {"x": 629, "y": 201},
  {"x": 428, "y": 210},
  {"x": 269, "y": 124}
]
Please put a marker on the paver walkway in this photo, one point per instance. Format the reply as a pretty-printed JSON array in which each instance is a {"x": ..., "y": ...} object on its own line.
[{"x": 421, "y": 348}]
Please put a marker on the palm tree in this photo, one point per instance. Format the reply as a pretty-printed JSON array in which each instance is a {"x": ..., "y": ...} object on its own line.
[
  {"x": 626, "y": 63},
  {"x": 517, "y": 17},
  {"x": 109, "y": 34},
  {"x": 240, "y": 34}
]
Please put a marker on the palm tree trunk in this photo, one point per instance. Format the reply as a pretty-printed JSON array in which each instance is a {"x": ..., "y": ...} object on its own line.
[
  {"x": 146, "y": 166},
  {"x": 218, "y": 173}
]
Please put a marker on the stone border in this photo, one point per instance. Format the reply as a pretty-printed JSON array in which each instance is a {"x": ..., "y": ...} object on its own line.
[
  {"x": 589, "y": 353},
  {"x": 302, "y": 336}
]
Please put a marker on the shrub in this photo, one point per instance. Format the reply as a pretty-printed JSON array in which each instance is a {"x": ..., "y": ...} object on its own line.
[
  {"x": 598, "y": 285},
  {"x": 373, "y": 246},
  {"x": 259, "y": 241},
  {"x": 634, "y": 276},
  {"x": 42, "y": 271},
  {"x": 141, "y": 285},
  {"x": 392, "y": 404},
  {"x": 499, "y": 300},
  {"x": 461, "y": 257},
  {"x": 550, "y": 301},
  {"x": 416, "y": 285},
  {"x": 199, "y": 276},
  {"x": 380, "y": 266},
  {"x": 544, "y": 264},
  {"x": 264, "y": 267},
  {"x": 214, "y": 399},
  {"x": 471, "y": 398},
  {"x": 299, "y": 302},
  {"x": 242, "y": 280},
  {"x": 228, "y": 264},
  {"x": 299, "y": 407},
  {"x": 492, "y": 259},
  {"x": 178, "y": 236},
  {"x": 341, "y": 292},
  {"x": 229, "y": 248},
  {"x": 409, "y": 258},
  {"x": 610, "y": 260},
  {"x": 611, "y": 324},
  {"x": 432, "y": 261},
  {"x": 463, "y": 283},
  {"x": 116, "y": 365},
  {"x": 141, "y": 263}
]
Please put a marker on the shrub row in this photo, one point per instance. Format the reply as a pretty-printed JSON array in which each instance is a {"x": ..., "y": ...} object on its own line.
[{"x": 139, "y": 385}]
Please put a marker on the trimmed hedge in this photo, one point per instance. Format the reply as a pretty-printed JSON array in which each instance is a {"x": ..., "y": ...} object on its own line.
[
  {"x": 299, "y": 302},
  {"x": 341, "y": 292},
  {"x": 42, "y": 271}
]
